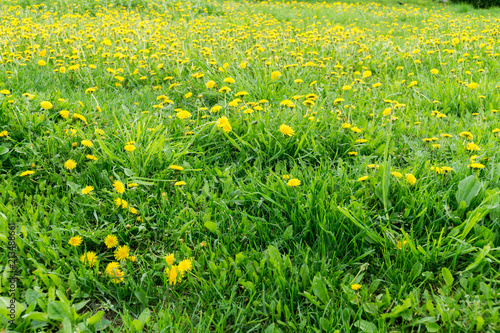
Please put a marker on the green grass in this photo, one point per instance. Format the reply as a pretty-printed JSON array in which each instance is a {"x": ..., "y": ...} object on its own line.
[{"x": 357, "y": 246}]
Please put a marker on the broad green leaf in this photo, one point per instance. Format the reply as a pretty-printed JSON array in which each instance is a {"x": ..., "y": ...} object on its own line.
[
  {"x": 319, "y": 289},
  {"x": 58, "y": 310},
  {"x": 366, "y": 326},
  {"x": 468, "y": 188},
  {"x": 145, "y": 316},
  {"x": 3, "y": 150},
  {"x": 447, "y": 276},
  {"x": 211, "y": 226},
  {"x": 95, "y": 318}
]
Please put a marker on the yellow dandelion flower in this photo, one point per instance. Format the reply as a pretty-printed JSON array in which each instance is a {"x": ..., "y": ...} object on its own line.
[
  {"x": 75, "y": 241},
  {"x": 87, "y": 189},
  {"x": 293, "y": 182},
  {"x": 70, "y": 164},
  {"x": 89, "y": 259},
  {"x": 111, "y": 241},
  {"x": 287, "y": 130},
  {"x": 122, "y": 253},
  {"x": 119, "y": 187},
  {"x": 46, "y": 105}
]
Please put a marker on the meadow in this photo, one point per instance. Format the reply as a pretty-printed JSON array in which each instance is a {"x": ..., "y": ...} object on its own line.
[{"x": 246, "y": 166}]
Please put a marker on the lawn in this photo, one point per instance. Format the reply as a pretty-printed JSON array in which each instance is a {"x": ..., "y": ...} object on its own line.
[{"x": 246, "y": 166}]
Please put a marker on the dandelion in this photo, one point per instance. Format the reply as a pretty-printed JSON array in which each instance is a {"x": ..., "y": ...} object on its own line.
[
  {"x": 293, "y": 182},
  {"x": 411, "y": 179},
  {"x": 91, "y": 157},
  {"x": 114, "y": 272},
  {"x": 26, "y": 173},
  {"x": 183, "y": 114},
  {"x": 70, "y": 164},
  {"x": 87, "y": 189},
  {"x": 130, "y": 148},
  {"x": 185, "y": 265},
  {"x": 122, "y": 253},
  {"x": 467, "y": 135},
  {"x": 5, "y": 92},
  {"x": 64, "y": 114},
  {"x": 119, "y": 187},
  {"x": 210, "y": 84},
  {"x": 476, "y": 166},
  {"x": 360, "y": 179},
  {"x": 396, "y": 174},
  {"x": 367, "y": 74},
  {"x": 172, "y": 274},
  {"x": 3, "y": 134},
  {"x": 46, "y": 105},
  {"x": 223, "y": 123},
  {"x": 176, "y": 167},
  {"x": 170, "y": 258},
  {"x": 275, "y": 75},
  {"x": 75, "y": 241},
  {"x": 87, "y": 143},
  {"x": 180, "y": 183},
  {"x": 287, "y": 130},
  {"x": 355, "y": 286},
  {"x": 89, "y": 259},
  {"x": 41, "y": 63},
  {"x": 111, "y": 241},
  {"x": 471, "y": 146},
  {"x": 434, "y": 71},
  {"x": 472, "y": 85}
]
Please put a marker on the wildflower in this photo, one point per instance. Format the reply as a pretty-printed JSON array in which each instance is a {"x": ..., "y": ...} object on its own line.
[
  {"x": 170, "y": 258},
  {"x": 210, "y": 84},
  {"x": 75, "y": 241},
  {"x": 215, "y": 108},
  {"x": 224, "y": 90},
  {"x": 229, "y": 80},
  {"x": 476, "y": 166},
  {"x": 64, "y": 114},
  {"x": 176, "y": 167},
  {"x": 387, "y": 112},
  {"x": 471, "y": 146},
  {"x": 87, "y": 190},
  {"x": 172, "y": 274},
  {"x": 46, "y": 105},
  {"x": 91, "y": 157},
  {"x": 5, "y": 92},
  {"x": 286, "y": 177},
  {"x": 114, "y": 272},
  {"x": 467, "y": 135},
  {"x": 434, "y": 71},
  {"x": 70, "y": 164},
  {"x": 411, "y": 179},
  {"x": 87, "y": 143},
  {"x": 122, "y": 253},
  {"x": 400, "y": 245},
  {"x": 180, "y": 183},
  {"x": 287, "y": 130},
  {"x": 360, "y": 179},
  {"x": 223, "y": 123},
  {"x": 293, "y": 182},
  {"x": 367, "y": 74},
  {"x": 352, "y": 153},
  {"x": 89, "y": 259},
  {"x": 472, "y": 85},
  {"x": 183, "y": 114},
  {"x": 396, "y": 174},
  {"x": 275, "y": 75},
  {"x": 130, "y": 148},
  {"x": 26, "y": 173},
  {"x": 111, "y": 241},
  {"x": 41, "y": 63},
  {"x": 356, "y": 286},
  {"x": 185, "y": 265},
  {"x": 131, "y": 185},
  {"x": 119, "y": 187}
]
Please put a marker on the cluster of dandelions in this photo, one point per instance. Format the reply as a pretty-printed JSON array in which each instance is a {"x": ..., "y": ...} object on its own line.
[{"x": 175, "y": 273}]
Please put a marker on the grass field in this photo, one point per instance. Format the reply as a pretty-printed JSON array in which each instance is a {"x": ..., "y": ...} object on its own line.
[{"x": 244, "y": 166}]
